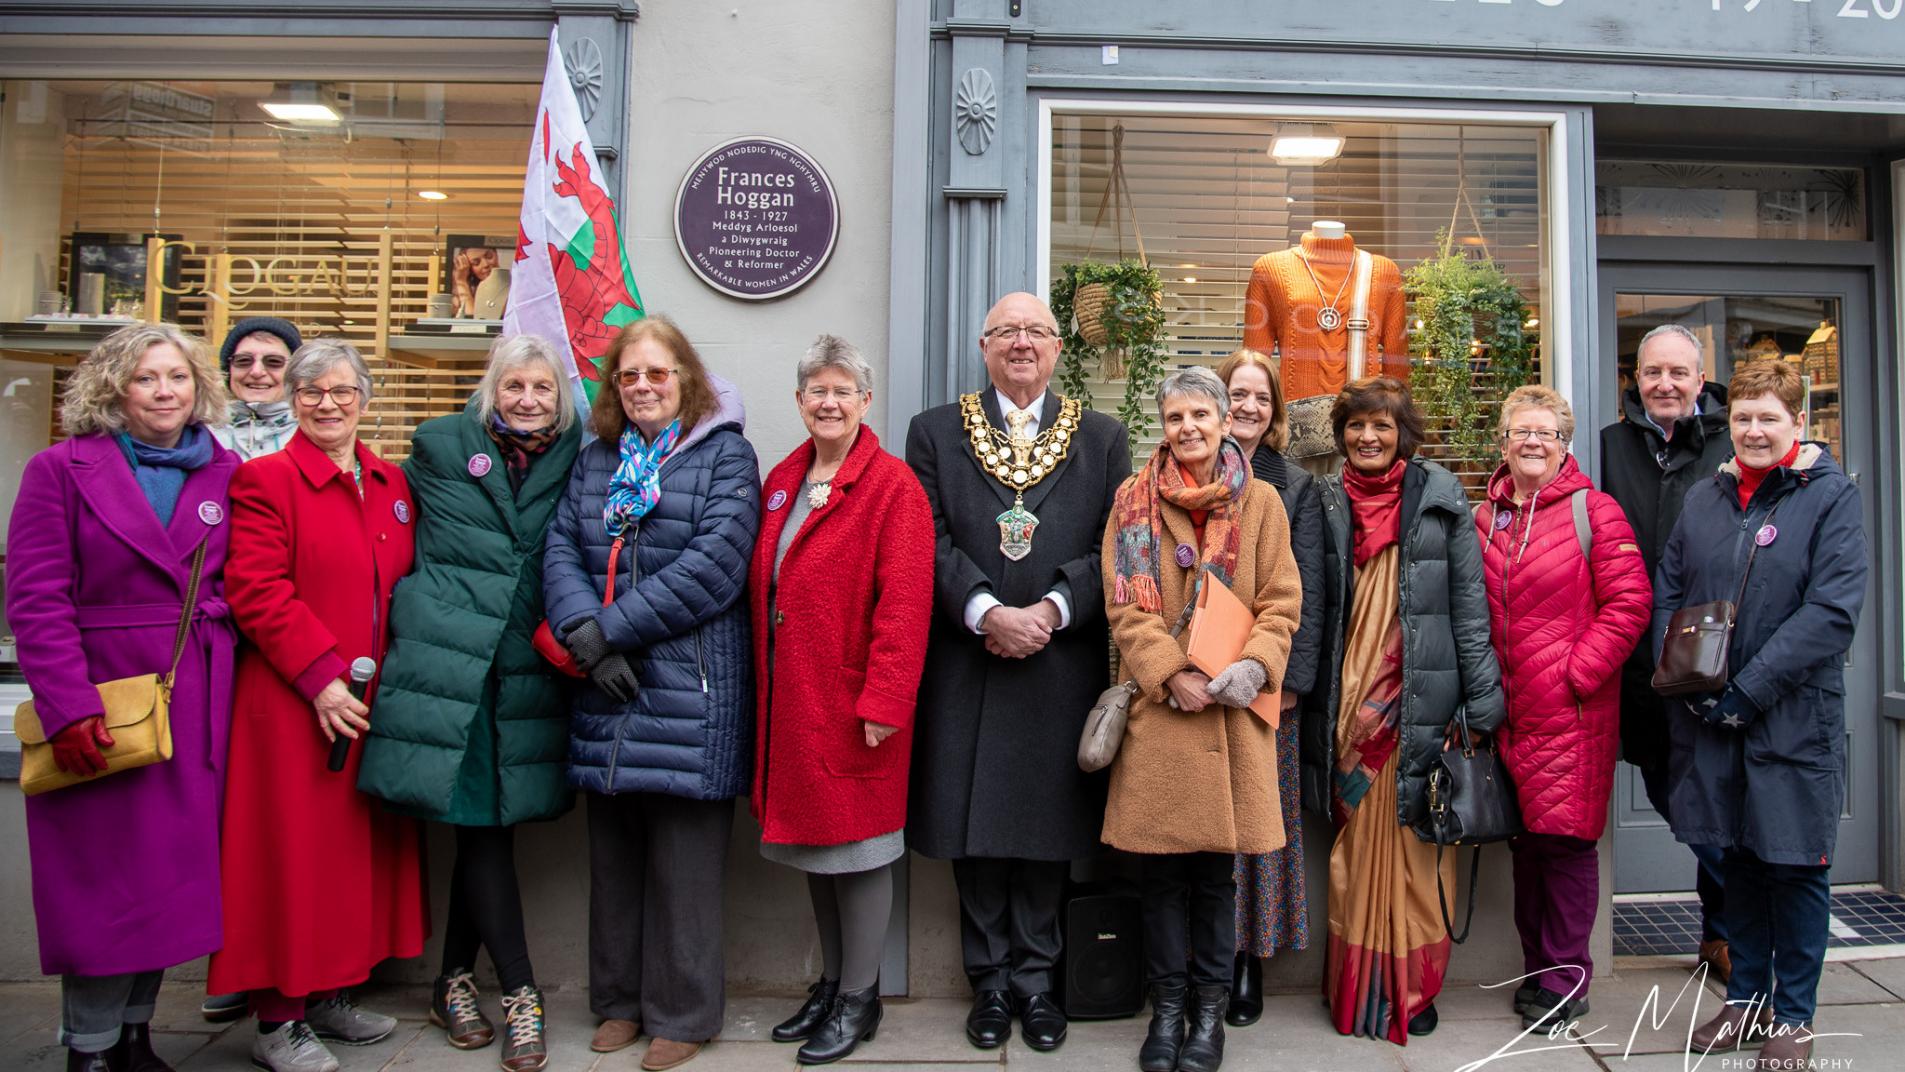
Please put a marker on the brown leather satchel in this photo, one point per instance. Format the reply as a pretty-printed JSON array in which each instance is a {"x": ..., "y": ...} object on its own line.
[{"x": 1693, "y": 656}]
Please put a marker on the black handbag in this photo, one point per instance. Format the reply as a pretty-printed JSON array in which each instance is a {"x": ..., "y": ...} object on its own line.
[{"x": 1471, "y": 802}]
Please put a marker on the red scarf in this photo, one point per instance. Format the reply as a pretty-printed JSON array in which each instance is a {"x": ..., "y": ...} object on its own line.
[
  {"x": 1751, "y": 478},
  {"x": 1375, "y": 504}
]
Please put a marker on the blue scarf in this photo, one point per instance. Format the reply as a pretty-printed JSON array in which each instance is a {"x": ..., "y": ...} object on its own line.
[
  {"x": 161, "y": 471},
  {"x": 636, "y": 486}
]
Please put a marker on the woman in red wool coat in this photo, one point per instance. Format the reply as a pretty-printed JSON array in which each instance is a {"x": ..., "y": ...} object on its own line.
[
  {"x": 1565, "y": 617},
  {"x": 842, "y": 590},
  {"x": 320, "y": 882}
]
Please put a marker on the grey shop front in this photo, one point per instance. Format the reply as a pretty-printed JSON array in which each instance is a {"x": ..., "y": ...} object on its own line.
[{"x": 1732, "y": 165}]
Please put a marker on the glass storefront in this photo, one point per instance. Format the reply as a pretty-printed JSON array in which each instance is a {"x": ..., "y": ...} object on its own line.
[
  {"x": 382, "y": 212},
  {"x": 1208, "y": 195}
]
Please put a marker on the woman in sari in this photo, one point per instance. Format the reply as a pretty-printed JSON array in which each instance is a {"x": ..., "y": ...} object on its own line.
[{"x": 1401, "y": 664}]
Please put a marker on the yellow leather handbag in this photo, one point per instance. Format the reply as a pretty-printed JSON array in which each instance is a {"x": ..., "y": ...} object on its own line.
[{"x": 137, "y": 714}]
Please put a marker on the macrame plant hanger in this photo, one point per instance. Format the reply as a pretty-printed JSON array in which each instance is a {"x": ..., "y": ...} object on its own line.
[
  {"x": 1462, "y": 201},
  {"x": 1090, "y": 301}
]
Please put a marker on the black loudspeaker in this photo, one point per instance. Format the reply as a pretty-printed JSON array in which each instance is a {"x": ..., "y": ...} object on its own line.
[{"x": 1103, "y": 962}]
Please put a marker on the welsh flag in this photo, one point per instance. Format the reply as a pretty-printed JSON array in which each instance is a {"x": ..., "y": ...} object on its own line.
[{"x": 571, "y": 282}]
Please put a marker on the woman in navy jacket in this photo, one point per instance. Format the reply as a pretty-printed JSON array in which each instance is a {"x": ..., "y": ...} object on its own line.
[
  {"x": 666, "y": 497},
  {"x": 1758, "y": 769}
]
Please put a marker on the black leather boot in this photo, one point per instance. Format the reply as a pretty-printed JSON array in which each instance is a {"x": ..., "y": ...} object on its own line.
[
  {"x": 854, "y": 1018},
  {"x": 1246, "y": 991},
  {"x": 86, "y": 1062},
  {"x": 133, "y": 1052},
  {"x": 1165, "y": 1037},
  {"x": 1204, "y": 1041},
  {"x": 801, "y": 1025}
]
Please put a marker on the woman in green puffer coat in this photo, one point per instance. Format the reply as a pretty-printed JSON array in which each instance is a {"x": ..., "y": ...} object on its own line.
[{"x": 471, "y": 726}]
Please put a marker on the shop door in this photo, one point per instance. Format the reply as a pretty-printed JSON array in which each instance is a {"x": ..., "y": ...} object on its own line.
[{"x": 1821, "y": 319}]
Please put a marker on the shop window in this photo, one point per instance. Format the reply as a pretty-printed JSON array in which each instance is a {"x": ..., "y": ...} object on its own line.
[
  {"x": 345, "y": 212},
  {"x": 1208, "y": 196},
  {"x": 1702, "y": 200}
]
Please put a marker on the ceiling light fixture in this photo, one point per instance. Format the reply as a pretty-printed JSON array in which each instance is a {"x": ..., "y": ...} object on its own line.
[
  {"x": 1305, "y": 144},
  {"x": 302, "y": 102},
  {"x": 433, "y": 195}
]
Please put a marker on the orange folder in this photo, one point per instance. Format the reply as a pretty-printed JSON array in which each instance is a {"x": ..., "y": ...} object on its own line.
[{"x": 1219, "y": 627}]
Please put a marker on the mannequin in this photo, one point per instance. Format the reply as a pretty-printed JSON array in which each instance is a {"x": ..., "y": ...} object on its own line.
[{"x": 1293, "y": 289}]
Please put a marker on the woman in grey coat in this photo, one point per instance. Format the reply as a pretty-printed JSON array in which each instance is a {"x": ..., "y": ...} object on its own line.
[
  {"x": 1405, "y": 645},
  {"x": 1758, "y": 769}
]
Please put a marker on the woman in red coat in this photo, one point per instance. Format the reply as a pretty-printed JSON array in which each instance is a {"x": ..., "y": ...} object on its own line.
[
  {"x": 842, "y": 590},
  {"x": 1568, "y": 595},
  {"x": 320, "y": 884}
]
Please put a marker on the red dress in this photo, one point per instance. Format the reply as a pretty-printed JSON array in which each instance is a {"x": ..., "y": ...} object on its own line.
[{"x": 320, "y": 883}]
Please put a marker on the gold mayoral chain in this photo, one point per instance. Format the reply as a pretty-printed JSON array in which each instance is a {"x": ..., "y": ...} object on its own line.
[{"x": 1018, "y": 462}]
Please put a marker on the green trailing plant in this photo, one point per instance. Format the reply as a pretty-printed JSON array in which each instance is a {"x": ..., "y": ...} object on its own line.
[
  {"x": 1471, "y": 343},
  {"x": 1134, "y": 329}
]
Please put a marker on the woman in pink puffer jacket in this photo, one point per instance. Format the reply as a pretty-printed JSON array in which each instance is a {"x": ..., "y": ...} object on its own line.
[{"x": 1569, "y": 596}]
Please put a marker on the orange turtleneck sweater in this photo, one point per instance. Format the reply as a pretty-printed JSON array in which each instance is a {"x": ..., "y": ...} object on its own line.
[{"x": 1280, "y": 310}]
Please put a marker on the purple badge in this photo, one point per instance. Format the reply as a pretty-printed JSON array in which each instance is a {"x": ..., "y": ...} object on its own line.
[
  {"x": 402, "y": 510},
  {"x": 1186, "y": 555},
  {"x": 210, "y": 512},
  {"x": 479, "y": 464},
  {"x": 777, "y": 500},
  {"x": 1502, "y": 520},
  {"x": 1766, "y": 535}
]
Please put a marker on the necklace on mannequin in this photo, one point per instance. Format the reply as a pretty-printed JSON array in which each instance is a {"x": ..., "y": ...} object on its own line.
[{"x": 1329, "y": 318}]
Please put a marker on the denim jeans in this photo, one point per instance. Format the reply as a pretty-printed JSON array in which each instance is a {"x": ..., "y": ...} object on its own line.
[{"x": 1777, "y": 917}]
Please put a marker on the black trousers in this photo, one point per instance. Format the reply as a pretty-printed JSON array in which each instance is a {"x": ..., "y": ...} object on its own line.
[
  {"x": 656, "y": 865},
  {"x": 1009, "y": 921},
  {"x": 1190, "y": 916},
  {"x": 486, "y": 907}
]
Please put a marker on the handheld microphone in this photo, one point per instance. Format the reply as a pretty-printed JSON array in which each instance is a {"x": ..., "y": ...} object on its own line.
[{"x": 363, "y": 668}]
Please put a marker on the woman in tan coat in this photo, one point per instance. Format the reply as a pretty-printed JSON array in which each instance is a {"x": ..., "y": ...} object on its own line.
[{"x": 1196, "y": 778}]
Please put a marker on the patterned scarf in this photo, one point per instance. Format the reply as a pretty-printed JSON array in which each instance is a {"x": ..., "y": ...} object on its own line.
[
  {"x": 636, "y": 486},
  {"x": 1140, "y": 522},
  {"x": 1375, "y": 504},
  {"x": 519, "y": 449}
]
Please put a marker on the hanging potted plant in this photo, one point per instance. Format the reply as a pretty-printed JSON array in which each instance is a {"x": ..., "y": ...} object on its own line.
[
  {"x": 1127, "y": 340},
  {"x": 1473, "y": 342}
]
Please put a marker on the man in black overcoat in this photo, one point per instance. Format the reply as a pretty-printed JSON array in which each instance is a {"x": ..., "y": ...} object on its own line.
[
  {"x": 1019, "y": 652},
  {"x": 1672, "y": 436}
]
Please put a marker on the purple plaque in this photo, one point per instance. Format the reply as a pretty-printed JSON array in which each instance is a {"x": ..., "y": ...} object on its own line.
[{"x": 756, "y": 218}]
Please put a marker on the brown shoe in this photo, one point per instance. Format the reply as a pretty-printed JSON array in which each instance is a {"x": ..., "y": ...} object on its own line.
[
  {"x": 524, "y": 1047},
  {"x": 1719, "y": 965},
  {"x": 1788, "y": 1048},
  {"x": 454, "y": 1007},
  {"x": 667, "y": 1053},
  {"x": 614, "y": 1035},
  {"x": 1735, "y": 1027}
]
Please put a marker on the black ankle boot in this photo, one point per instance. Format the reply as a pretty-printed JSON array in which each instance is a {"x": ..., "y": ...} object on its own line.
[
  {"x": 801, "y": 1025},
  {"x": 1246, "y": 991},
  {"x": 853, "y": 1019},
  {"x": 133, "y": 1052},
  {"x": 1204, "y": 1040},
  {"x": 1165, "y": 1037},
  {"x": 86, "y": 1062}
]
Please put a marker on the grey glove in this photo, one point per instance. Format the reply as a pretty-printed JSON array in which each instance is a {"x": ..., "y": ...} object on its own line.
[
  {"x": 1239, "y": 684},
  {"x": 614, "y": 676},
  {"x": 587, "y": 644}
]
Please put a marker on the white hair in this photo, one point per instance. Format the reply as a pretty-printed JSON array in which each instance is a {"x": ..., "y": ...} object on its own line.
[{"x": 514, "y": 352}]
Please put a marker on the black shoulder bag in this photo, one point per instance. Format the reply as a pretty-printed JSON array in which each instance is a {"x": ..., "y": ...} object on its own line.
[{"x": 1471, "y": 802}]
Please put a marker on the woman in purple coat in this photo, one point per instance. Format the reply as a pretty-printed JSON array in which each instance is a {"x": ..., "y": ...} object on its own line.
[{"x": 99, "y": 554}]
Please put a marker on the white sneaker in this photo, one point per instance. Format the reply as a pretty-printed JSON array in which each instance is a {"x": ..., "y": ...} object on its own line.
[
  {"x": 291, "y": 1048},
  {"x": 338, "y": 1020}
]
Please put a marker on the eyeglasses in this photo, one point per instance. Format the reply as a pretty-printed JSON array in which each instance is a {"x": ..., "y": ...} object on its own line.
[
  {"x": 1034, "y": 332},
  {"x": 244, "y": 362},
  {"x": 1523, "y": 435},
  {"x": 655, "y": 376},
  {"x": 344, "y": 395},
  {"x": 842, "y": 395}
]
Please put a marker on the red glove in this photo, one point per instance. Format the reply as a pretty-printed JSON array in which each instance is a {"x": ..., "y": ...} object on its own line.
[{"x": 76, "y": 748}]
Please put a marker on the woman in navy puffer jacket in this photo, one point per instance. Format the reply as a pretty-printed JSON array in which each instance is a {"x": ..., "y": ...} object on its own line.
[{"x": 660, "y": 737}]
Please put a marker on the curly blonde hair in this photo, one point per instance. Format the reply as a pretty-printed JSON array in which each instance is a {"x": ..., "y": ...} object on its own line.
[
  {"x": 95, "y": 397},
  {"x": 1537, "y": 396}
]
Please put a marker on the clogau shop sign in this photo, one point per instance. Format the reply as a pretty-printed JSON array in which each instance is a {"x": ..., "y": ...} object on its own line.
[{"x": 756, "y": 218}]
